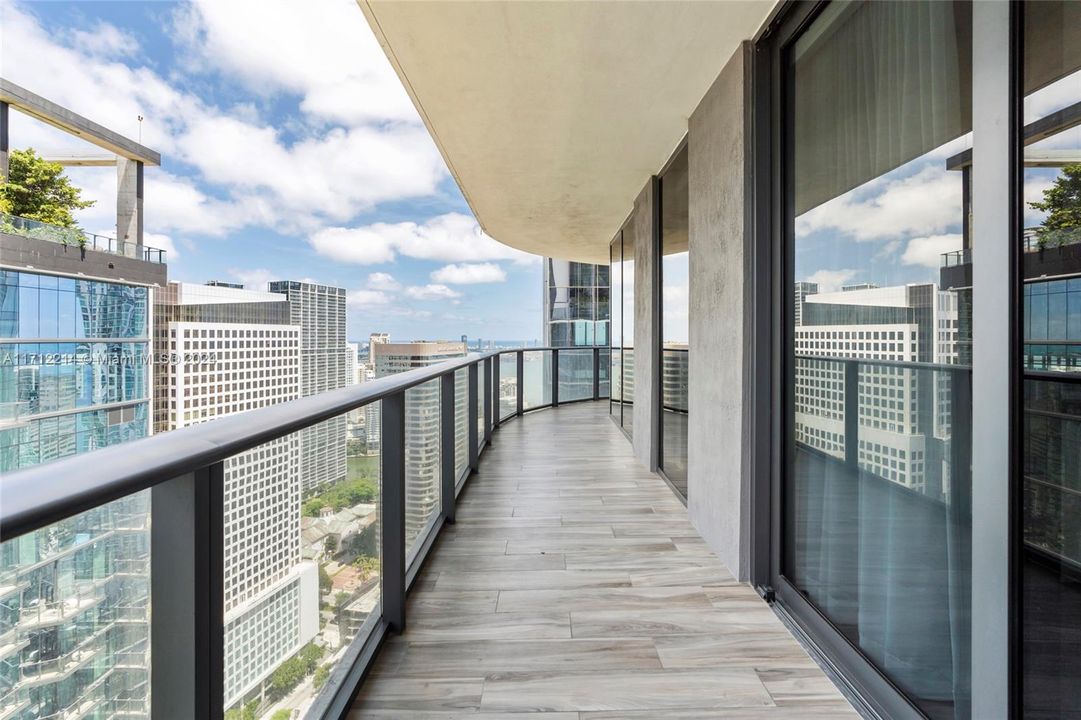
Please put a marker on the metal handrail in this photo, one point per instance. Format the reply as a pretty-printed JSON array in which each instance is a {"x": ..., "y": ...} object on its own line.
[
  {"x": 41, "y": 495},
  {"x": 185, "y": 471},
  {"x": 902, "y": 364},
  {"x": 72, "y": 237}
]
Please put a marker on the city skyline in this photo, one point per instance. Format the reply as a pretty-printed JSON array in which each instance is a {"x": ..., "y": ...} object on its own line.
[{"x": 391, "y": 228}]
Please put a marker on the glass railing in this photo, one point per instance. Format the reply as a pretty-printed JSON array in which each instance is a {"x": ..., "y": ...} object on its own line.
[
  {"x": 507, "y": 386},
  {"x": 272, "y": 585},
  {"x": 75, "y": 238},
  {"x": 1038, "y": 239},
  {"x": 575, "y": 374},
  {"x": 536, "y": 379},
  {"x": 674, "y": 393},
  {"x": 956, "y": 258}
]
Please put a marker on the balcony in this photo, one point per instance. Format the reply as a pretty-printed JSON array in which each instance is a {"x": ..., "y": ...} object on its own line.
[
  {"x": 534, "y": 566},
  {"x": 75, "y": 238},
  {"x": 572, "y": 581}
]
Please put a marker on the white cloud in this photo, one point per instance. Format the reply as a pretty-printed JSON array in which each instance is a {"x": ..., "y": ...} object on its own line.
[
  {"x": 432, "y": 292},
  {"x": 366, "y": 298},
  {"x": 383, "y": 281},
  {"x": 162, "y": 242},
  {"x": 105, "y": 41},
  {"x": 244, "y": 173},
  {"x": 468, "y": 274},
  {"x": 927, "y": 251},
  {"x": 255, "y": 279},
  {"x": 360, "y": 246},
  {"x": 831, "y": 280},
  {"x": 327, "y": 54},
  {"x": 332, "y": 176},
  {"x": 452, "y": 237},
  {"x": 924, "y": 203},
  {"x": 1036, "y": 182}
]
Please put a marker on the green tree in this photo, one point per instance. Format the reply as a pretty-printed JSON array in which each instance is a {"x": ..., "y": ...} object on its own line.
[
  {"x": 1062, "y": 203},
  {"x": 367, "y": 565},
  {"x": 325, "y": 583},
  {"x": 310, "y": 655},
  {"x": 282, "y": 714},
  {"x": 287, "y": 676},
  {"x": 39, "y": 190},
  {"x": 322, "y": 673}
]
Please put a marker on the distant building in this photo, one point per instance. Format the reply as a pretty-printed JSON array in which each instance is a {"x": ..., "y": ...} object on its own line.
[
  {"x": 574, "y": 304},
  {"x": 803, "y": 289},
  {"x": 901, "y": 435},
  {"x": 319, "y": 310},
  {"x": 252, "y": 353},
  {"x": 75, "y": 376},
  {"x": 422, "y": 441}
]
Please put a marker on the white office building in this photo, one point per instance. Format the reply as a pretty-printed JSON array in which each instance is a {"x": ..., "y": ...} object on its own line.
[
  {"x": 252, "y": 360},
  {"x": 903, "y": 411}
]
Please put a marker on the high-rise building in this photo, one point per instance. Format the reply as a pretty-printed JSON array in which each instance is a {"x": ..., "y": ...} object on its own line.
[
  {"x": 319, "y": 310},
  {"x": 575, "y": 313},
  {"x": 75, "y": 376},
  {"x": 574, "y": 304},
  {"x": 373, "y": 340},
  {"x": 422, "y": 441},
  {"x": 900, "y": 438},
  {"x": 803, "y": 289},
  {"x": 236, "y": 350}
]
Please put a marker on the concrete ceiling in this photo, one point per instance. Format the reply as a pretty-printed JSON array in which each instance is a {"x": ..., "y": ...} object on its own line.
[{"x": 553, "y": 115}]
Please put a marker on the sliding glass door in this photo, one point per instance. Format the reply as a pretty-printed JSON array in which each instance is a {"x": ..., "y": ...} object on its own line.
[
  {"x": 875, "y": 483},
  {"x": 675, "y": 361},
  {"x": 1050, "y": 275}
]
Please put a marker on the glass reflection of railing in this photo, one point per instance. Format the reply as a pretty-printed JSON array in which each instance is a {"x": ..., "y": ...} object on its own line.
[
  {"x": 1037, "y": 239},
  {"x": 190, "y": 465},
  {"x": 1052, "y": 483},
  {"x": 956, "y": 258},
  {"x": 74, "y": 237},
  {"x": 839, "y": 401},
  {"x": 11, "y": 413},
  {"x": 674, "y": 379}
]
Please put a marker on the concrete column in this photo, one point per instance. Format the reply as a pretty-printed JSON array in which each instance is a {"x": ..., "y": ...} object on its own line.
[
  {"x": 129, "y": 207},
  {"x": 718, "y": 493},
  {"x": 992, "y": 317},
  {"x": 3, "y": 141},
  {"x": 645, "y": 369}
]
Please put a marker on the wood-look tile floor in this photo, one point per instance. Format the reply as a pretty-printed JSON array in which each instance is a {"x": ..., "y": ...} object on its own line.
[{"x": 573, "y": 587}]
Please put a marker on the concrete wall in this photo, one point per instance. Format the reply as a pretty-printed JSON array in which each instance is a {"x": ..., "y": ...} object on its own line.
[
  {"x": 645, "y": 380},
  {"x": 17, "y": 251},
  {"x": 717, "y": 495}
]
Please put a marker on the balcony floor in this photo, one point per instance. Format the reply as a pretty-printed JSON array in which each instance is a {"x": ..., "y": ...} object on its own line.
[{"x": 573, "y": 587}]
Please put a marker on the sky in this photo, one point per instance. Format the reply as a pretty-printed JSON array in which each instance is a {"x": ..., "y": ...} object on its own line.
[{"x": 289, "y": 151}]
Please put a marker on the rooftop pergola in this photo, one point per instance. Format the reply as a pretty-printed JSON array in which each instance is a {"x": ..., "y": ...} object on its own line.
[{"x": 128, "y": 156}]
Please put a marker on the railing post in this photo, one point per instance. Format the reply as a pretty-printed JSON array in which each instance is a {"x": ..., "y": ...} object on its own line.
[
  {"x": 446, "y": 445},
  {"x": 596, "y": 373},
  {"x": 852, "y": 415},
  {"x": 555, "y": 377},
  {"x": 493, "y": 393},
  {"x": 392, "y": 447},
  {"x": 521, "y": 382},
  {"x": 187, "y": 551},
  {"x": 474, "y": 411},
  {"x": 488, "y": 401}
]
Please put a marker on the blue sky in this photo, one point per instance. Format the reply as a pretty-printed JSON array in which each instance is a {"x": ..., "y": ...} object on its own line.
[{"x": 290, "y": 151}]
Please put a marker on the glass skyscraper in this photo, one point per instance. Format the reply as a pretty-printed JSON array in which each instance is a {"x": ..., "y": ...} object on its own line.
[{"x": 74, "y": 598}]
